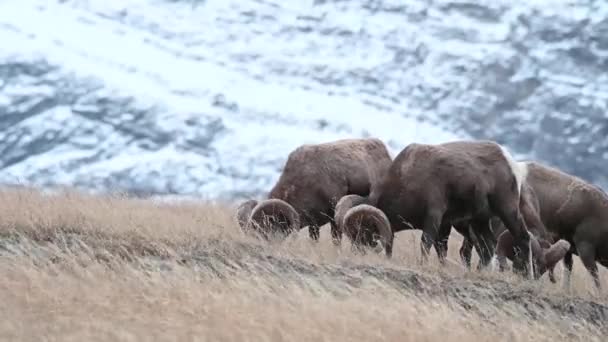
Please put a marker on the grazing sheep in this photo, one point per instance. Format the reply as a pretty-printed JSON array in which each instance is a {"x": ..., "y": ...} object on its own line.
[
  {"x": 530, "y": 209},
  {"x": 344, "y": 204},
  {"x": 430, "y": 186},
  {"x": 314, "y": 178},
  {"x": 545, "y": 258},
  {"x": 573, "y": 210}
]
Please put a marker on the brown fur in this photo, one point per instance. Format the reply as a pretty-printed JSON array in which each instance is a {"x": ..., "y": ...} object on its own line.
[
  {"x": 430, "y": 186},
  {"x": 575, "y": 211},
  {"x": 316, "y": 176}
]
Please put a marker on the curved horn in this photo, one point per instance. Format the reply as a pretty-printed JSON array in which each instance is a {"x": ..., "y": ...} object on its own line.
[
  {"x": 269, "y": 216},
  {"x": 243, "y": 211},
  {"x": 555, "y": 253},
  {"x": 367, "y": 216},
  {"x": 344, "y": 204}
]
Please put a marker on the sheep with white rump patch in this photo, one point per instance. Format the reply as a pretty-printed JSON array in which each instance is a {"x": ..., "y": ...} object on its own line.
[
  {"x": 575, "y": 211},
  {"x": 430, "y": 186}
]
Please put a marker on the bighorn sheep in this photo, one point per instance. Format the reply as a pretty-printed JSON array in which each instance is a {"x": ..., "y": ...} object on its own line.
[
  {"x": 314, "y": 178},
  {"x": 545, "y": 258},
  {"x": 430, "y": 186},
  {"x": 471, "y": 240},
  {"x": 573, "y": 210}
]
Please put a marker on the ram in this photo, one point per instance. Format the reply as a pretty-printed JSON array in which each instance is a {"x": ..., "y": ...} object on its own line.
[
  {"x": 314, "y": 178},
  {"x": 573, "y": 210},
  {"x": 430, "y": 186}
]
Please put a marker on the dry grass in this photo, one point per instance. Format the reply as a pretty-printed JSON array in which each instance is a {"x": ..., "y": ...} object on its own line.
[{"x": 80, "y": 267}]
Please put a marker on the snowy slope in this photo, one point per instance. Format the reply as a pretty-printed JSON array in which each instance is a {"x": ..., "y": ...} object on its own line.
[{"x": 207, "y": 98}]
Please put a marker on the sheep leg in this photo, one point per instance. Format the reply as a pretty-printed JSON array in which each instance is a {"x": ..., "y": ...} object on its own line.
[
  {"x": 430, "y": 231},
  {"x": 388, "y": 249},
  {"x": 586, "y": 251},
  {"x": 466, "y": 252},
  {"x": 336, "y": 234},
  {"x": 486, "y": 242},
  {"x": 466, "y": 249},
  {"x": 552, "y": 276},
  {"x": 314, "y": 232},
  {"x": 441, "y": 243},
  {"x": 568, "y": 264}
]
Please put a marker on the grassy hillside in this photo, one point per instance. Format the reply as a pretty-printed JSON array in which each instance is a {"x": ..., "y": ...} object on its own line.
[{"x": 77, "y": 267}]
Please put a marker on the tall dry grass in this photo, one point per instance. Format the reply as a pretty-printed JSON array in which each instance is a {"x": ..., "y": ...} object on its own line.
[{"x": 77, "y": 267}]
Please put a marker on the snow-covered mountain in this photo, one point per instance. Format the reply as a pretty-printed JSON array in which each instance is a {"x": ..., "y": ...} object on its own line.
[{"x": 207, "y": 98}]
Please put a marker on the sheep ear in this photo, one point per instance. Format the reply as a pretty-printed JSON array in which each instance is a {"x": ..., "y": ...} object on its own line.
[{"x": 556, "y": 253}]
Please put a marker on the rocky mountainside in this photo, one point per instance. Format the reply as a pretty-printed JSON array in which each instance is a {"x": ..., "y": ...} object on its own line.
[{"x": 206, "y": 98}]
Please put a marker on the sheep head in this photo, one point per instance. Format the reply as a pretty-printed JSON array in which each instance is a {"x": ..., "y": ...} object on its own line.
[
  {"x": 555, "y": 253},
  {"x": 344, "y": 205},
  {"x": 365, "y": 225},
  {"x": 545, "y": 256},
  {"x": 273, "y": 218}
]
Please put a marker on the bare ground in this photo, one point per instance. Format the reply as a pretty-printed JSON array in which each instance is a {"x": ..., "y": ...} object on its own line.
[{"x": 109, "y": 268}]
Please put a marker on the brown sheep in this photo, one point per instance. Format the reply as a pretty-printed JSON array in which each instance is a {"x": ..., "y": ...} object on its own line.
[
  {"x": 314, "y": 178},
  {"x": 463, "y": 227},
  {"x": 545, "y": 258},
  {"x": 574, "y": 210},
  {"x": 430, "y": 186}
]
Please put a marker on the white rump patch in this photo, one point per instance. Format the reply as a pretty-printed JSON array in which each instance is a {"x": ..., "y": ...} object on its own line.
[{"x": 519, "y": 169}]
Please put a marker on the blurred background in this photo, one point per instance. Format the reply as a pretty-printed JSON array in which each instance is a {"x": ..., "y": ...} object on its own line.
[{"x": 205, "y": 99}]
